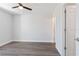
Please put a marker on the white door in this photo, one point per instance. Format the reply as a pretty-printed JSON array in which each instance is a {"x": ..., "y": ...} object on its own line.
[
  {"x": 70, "y": 30},
  {"x": 77, "y": 31}
]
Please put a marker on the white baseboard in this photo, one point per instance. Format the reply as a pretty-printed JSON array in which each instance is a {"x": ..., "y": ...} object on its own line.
[
  {"x": 2, "y": 44},
  {"x": 58, "y": 50},
  {"x": 32, "y": 41}
]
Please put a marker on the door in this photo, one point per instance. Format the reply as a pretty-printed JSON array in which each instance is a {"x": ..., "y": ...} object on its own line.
[
  {"x": 77, "y": 31},
  {"x": 70, "y": 30}
]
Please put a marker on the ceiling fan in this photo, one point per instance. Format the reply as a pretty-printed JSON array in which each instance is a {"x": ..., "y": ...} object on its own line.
[{"x": 21, "y": 6}]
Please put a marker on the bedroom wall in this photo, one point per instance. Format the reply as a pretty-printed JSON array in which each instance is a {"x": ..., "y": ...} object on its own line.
[
  {"x": 32, "y": 28},
  {"x": 36, "y": 28},
  {"x": 5, "y": 27},
  {"x": 16, "y": 27}
]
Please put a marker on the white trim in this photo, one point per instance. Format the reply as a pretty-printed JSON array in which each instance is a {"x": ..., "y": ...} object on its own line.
[
  {"x": 21, "y": 41},
  {"x": 59, "y": 51},
  {"x": 32, "y": 41},
  {"x": 5, "y": 43}
]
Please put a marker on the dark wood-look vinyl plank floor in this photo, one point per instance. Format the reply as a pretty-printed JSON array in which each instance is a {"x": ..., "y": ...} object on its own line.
[{"x": 29, "y": 49}]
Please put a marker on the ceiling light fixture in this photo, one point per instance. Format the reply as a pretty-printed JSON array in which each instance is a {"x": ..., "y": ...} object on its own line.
[{"x": 20, "y": 7}]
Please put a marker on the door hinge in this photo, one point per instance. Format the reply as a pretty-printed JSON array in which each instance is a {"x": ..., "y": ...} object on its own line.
[
  {"x": 65, "y": 11},
  {"x": 64, "y": 29},
  {"x": 65, "y": 48}
]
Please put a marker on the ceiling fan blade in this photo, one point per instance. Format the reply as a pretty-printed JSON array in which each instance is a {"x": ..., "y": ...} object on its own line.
[
  {"x": 15, "y": 7},
  {"x": 20, "y": 4},
  {"x": 27, "y": 8}
]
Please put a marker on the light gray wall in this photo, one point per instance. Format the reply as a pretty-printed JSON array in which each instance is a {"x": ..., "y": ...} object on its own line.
[
  {"x": 32, "y": 28},
  {"x": 5, "y": 27},
  {"x": 16, "y": 27},
  {"x": 36, "y": 28}
]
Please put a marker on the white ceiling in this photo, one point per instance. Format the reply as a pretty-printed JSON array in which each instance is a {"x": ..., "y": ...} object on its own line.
[{"x": 41, "y": 8}]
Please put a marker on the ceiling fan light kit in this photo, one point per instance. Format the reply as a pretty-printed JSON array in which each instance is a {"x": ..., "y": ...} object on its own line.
[{"x": 20, "y": 7}]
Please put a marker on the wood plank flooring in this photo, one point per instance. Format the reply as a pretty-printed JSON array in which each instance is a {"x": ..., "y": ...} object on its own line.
[{"x": 28, "y": 49}]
